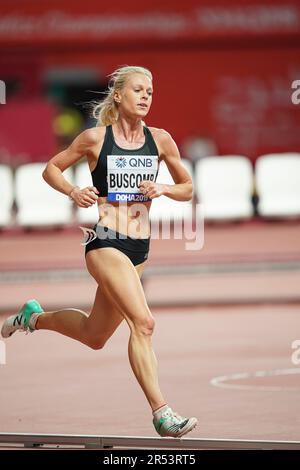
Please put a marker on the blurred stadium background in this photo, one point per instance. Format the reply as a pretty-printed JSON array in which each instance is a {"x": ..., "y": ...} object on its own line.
[
  {"x": 223, "y": 86},
  {"x": 223, "y": 75}
]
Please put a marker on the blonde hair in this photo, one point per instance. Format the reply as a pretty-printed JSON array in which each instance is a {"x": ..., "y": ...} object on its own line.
[{"x": 106, "y": 111}]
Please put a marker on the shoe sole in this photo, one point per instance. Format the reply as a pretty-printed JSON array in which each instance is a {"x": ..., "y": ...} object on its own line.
[{"x": 2, "y": 331}]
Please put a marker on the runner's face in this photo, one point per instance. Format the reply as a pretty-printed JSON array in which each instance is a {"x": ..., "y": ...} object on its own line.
[{"x": 135, "y": 98}]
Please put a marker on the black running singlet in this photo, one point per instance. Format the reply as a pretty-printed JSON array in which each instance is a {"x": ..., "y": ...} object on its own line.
[{"x": 120, "y": 171}]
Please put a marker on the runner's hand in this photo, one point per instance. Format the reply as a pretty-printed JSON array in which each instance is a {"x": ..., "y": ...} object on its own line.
[
  {"x": 85, "y": 197},
  {"x": 151, "y": 189}
]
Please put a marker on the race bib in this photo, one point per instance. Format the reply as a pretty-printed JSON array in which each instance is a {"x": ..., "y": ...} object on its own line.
[{"x": 126, "y": 172}]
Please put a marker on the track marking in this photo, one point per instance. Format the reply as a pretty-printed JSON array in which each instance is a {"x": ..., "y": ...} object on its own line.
[{"x": 221, "y": 380}]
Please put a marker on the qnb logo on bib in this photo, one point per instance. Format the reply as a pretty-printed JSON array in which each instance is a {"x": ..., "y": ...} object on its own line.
[
  {"x": 121, "y": 162},
  {"x": 125, "y": 173}
]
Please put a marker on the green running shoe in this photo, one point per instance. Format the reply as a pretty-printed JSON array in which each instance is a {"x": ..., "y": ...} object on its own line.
[
  {"x": 20, "y": 321},
  {"x": 170, "y": 424}
]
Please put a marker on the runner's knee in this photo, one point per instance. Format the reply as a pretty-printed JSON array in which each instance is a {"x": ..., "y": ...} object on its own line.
[{"x": 144, "y": 326}]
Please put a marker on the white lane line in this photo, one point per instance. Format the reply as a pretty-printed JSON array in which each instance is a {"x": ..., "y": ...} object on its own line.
[{"x": 221, "y": 380}]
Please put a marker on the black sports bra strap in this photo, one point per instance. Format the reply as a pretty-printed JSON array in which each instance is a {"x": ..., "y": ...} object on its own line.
[
  {"x": 151, "y": 142},
  {"x": 109, "y": 130},
  {"x": 105, "y": 150},
  {"x": 108, "y": 142}
]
